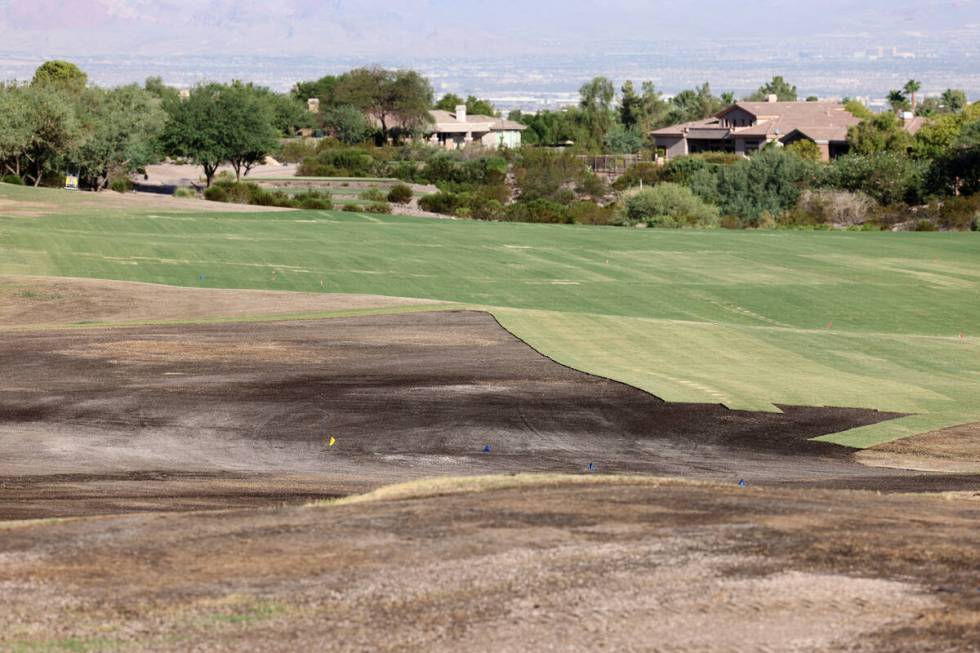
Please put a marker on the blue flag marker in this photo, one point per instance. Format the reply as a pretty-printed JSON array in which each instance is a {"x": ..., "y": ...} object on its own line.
[
  {"x": 741, "y": 482},
  {"x": 200, "y": 277},
  {"x": 487, "y": 449},
  {"x": 593, "y": 467}
]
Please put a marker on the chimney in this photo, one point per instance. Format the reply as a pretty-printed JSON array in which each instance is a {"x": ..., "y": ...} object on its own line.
[
  {"x": 313, "y": 105},
  {"x": 772, "y": 99},
  {"x": 461, "y": 113},
  {"x": 185, "y": 95}
]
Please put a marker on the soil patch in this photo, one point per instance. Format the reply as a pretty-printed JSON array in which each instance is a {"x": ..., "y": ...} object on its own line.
[
  {"x": 672, "y": 566},
  {"x": 952, "y": 450},
  {"x": 37, "y": 301},
  {"x": 403, "y": 397}
]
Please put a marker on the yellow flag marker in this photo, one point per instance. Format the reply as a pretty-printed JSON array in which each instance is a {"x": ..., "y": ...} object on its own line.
[{"x": 333, "y": 441}]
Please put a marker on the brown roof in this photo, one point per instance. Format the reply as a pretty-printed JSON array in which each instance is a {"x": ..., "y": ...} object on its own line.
[{"x": 829, "y": 120}]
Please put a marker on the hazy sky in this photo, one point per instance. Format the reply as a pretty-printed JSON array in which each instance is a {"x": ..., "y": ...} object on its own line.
[{"x": 380, "y": 28}]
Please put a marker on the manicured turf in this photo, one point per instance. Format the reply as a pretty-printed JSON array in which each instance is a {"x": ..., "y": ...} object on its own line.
[{"x": 749, "y": 319}]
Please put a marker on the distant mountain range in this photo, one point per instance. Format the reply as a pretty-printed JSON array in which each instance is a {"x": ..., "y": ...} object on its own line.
[{"x": 452, "y": 28}]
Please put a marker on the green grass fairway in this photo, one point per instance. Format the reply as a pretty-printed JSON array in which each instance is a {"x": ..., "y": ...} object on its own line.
[{"x": 748, "y": 319}]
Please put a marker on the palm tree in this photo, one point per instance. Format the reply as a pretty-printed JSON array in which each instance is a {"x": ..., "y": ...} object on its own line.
[
  {"x": 897, "y": 100},
  {"x": 911, "y": 88}
]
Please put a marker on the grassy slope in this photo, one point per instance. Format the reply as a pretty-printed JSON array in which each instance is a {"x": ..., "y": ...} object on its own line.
[{"x": 740, "y": 318}]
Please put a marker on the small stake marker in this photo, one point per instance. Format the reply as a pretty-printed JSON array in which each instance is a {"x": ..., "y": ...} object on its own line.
[
  {"x": 830, "y": 325},
  {"x": 488, "y": 449},
  {"x": 741, "y": 482},
  {"x": 593, "y": 467},
  {"x": 330, "y": 442}
]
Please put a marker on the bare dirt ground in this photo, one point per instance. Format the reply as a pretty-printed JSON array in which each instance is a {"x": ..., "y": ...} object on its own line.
[
  {"x": 649, "y": 566},
  {"x": 405, "y": 397},
  {"x": 109, "y": 200},
  {"x": 153, "y": 482},
  {"x": 46, "y": 301},
  {"x": 954, "y": 449}
]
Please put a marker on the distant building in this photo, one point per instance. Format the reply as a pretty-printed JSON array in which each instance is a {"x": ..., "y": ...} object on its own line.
[
  {"x": 746, "y": 127},
  {"x": 455, "y": 130}
]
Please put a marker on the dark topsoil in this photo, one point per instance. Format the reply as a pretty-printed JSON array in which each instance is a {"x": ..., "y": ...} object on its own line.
[{"x": 164, "y": 418}]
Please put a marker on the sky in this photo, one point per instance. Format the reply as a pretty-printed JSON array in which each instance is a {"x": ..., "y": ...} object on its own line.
[{"x": 452, "y": 28}]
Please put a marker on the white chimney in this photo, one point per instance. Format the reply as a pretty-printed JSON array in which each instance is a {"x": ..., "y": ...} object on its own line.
[
  {"x": 461, "y": 113},
  {"x": 773, "y": 99},
  {"x": 313, "y": 105}
]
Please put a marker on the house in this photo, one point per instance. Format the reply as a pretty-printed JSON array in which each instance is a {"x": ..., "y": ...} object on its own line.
[
  {"x": 454, "y": 130},
  {"x": 746, "y": 127}
]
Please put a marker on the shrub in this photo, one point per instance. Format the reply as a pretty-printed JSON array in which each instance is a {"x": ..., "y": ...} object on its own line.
[
  {"x": 400, "y": 194},
  {"x": 539, "y": 210},
  {"x": 377, "y": 207},
  {"x": 373, "y": 195},
  {"x": 887, "y": 177},
  {"x": 338, "y": 162},
  {"x": 585, "y": 212},
  {"x": 296, "y": 150},
  {"x": 351, "y": 208},
  {"x": 829, "y": 207},
  {"x": 769, "y": 182},
  {"x": 311, "y": 203},
  {"x": 121, "y": 185},
  {"x": 958, "y": 213},
  {"x": 593, "y": 185},
  {"x": 185, "y": 193},
  {"x": 645, "y": 172},
  {"x": 805, "y": 149},
  {"x": 484, "y": 208},
  {"x": 670, "y": 205},
  {"x": 445, "y": 203},
  {"x": 216, "y": 194},
  {"x": 13, "y": 180},
  {"x": 925, "y": 225}
]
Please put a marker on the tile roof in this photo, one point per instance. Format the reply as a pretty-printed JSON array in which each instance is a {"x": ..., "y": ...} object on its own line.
[{"x": 446, "y": 122}]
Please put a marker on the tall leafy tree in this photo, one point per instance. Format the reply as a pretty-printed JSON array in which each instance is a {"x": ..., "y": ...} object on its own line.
[
  {"x": 881, "y": 133},
  {"x": 123, "y": 127},
  {"x": 395, "y": 98},
  {"x": 63, "y": 74},
  {"x": 783, "y": 90},
  {"x": 449, "y": 102},
  {"x": 16, "y": 129},
  {"x": 595, "y": 106},
  {"x": 695, "y": 104},
  {"x": 55, "y": 131},
  {"x": 220, "y": 123},
  {"x": 953, "y": 100}
]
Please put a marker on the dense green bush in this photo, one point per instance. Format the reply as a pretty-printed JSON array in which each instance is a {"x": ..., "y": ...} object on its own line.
[
  {"x": 445, "y": 203},
  {"x": 13, "y": 180},
  {"x": 373, "y": 195},
  {"x": 400, "y": 194},
  {"x": 340, "y": 162},
  {"x": 670, "y": 205},
  {"x": 121, "y": 185},
  {"x": 185, "y": 193},
  {"x": 768, "y": 183},
  {"x": 887, "y": 177},
  {"x": 377, "y": 207},
  {"x": 296, "y": 150},
  {"x": 538, "y": 210},
  {"x": 216, "y": 194},
  {"x": 585, "y": 212},
  {"x": 828, "y": 207}
]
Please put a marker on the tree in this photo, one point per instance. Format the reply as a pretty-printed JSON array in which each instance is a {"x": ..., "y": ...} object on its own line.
[
  {"x": 347, "y": 124},
  {"x": 953, "y": 100},
  {"x": 124, "y": 125},
  {"x": 59, "y": 73},
  {"x": 595, "y": 106},
  {"x": 857, "y": 109},
  {"x": 394, "y": 98},
  {"x": 625, "y": 140},
  {"x": 16, "y": 130},
  {"x": 219, "y": 123},
  {"x": 449, "y": 102},
  {"x": 911, "y": 88},
  {"x": 937, "y": 136},
  {"x": 544, "y": 174},
  {"x": 881, "y": 133},
  {"x": 812, "y": 98},
  {"x": 321, "y": 89},
  {"x": 477, "y": 107},
  {"x": 886, "y": 176},
  {"x": 783, "y": 90},
  {"x": 898, "y": 101},
  {"x": 770, "y": 182},
  {"x": 805, "y": 149},
  {"x": 643, "y": 110},
  {"x": 696, "y": 104},
  {"x": 168, "y": 95}
]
